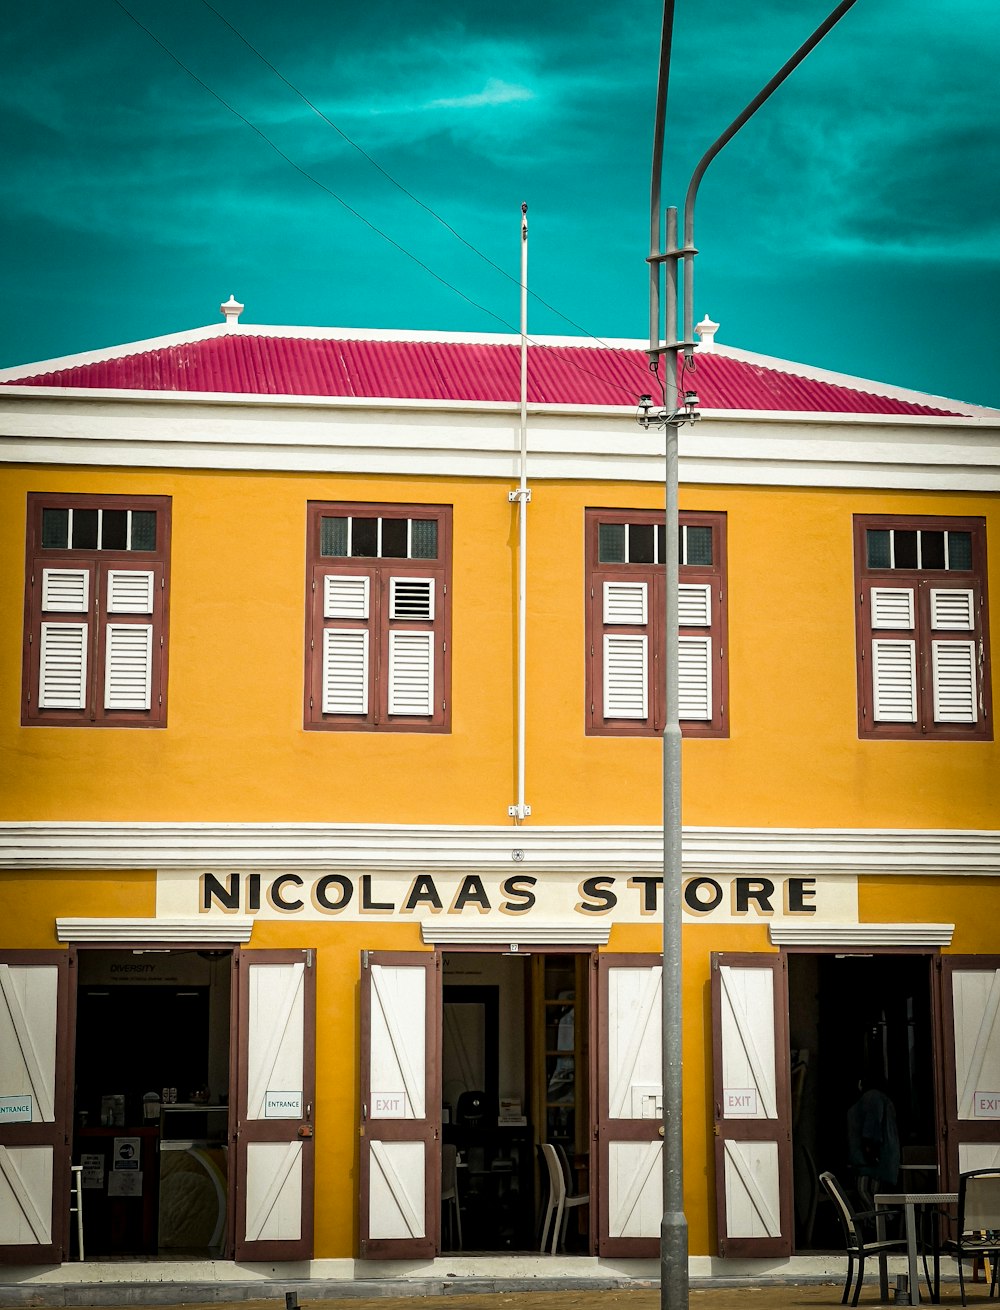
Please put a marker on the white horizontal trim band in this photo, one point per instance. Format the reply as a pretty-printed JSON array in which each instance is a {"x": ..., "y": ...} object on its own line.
[
  {"x": 514, "y": 933},
  {"x": 154, "y": 930},
  {"x": 387, "y": 847},
  {"x": 861, "y": 934}
]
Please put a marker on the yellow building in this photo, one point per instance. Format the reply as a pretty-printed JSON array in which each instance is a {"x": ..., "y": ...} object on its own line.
[{"x": 314, "y": 899}]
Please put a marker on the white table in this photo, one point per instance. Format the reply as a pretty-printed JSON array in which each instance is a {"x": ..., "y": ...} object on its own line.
[{"x": 910, "y": 1203}]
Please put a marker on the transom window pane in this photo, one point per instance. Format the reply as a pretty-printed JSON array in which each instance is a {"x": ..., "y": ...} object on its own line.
[
  {"x": 960, "y": 550},
  {"x": 879, "y": 548},
  {"x": 143, "y": 529},
  {"x": 333, "y": 536},
  {"x": 84, "y": 529},
  {"x": 364, "y": 538},
  {"x": 904, "y": 550},
  {"x": 698, "y": 545},
  {"x": 641, "y": 543},
  {"x": 932, "y": 550},
  {"x": 611, "y": 543},
  {"x": 55, "y": 529},
  {"x": 114, "y": 529},
  {"x": 423, "y": 538},
  {"x": 394, "y": 538}
]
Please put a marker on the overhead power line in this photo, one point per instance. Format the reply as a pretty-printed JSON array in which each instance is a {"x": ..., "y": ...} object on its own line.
[{"x": 350, "y": 208}]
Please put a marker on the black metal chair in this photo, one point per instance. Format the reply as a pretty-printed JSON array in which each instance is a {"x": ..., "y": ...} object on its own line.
[
  {"x": 978, "y": 1223},
  {"x": 859, "y": 1247}
]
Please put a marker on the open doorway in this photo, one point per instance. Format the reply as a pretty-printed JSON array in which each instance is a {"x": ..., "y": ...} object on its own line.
[
  {"x": 515, "y": 1073},
  {"x": 850, "y": 1016},
  {"x": 151, "y": 1101}
]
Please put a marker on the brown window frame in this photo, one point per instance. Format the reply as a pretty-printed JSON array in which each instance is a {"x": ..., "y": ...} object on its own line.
[
  {"x": 921, "y": 580},
  {"x": 714, "y": 575},
  {"x": 97, "y": 562},
  {"x": 379, "y": 570}
]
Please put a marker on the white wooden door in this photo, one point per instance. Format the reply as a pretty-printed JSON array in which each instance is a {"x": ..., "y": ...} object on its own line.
[
  {"x": 34, "y": 1108},
  {"x": 630, "y": 1101},
  {"x": 971, "y": 1004},
  {"x": 753, "y": 1148},
  {"x": 400, "y": 1105},
  {"x": 273, "y": 1135}
]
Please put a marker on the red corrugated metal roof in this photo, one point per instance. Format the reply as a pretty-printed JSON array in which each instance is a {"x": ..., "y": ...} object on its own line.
[{"x": 257, "y": 364}]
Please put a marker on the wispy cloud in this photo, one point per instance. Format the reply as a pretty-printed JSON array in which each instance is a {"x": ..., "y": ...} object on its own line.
[{"x": 495, "y": 92}]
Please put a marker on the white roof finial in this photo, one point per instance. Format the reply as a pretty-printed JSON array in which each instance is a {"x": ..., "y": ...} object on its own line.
[
  {"x": 232, "y": 310},
  {"x": 706, "y": 330}
]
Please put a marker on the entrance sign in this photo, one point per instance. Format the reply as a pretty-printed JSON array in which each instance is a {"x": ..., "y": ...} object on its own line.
[
  {"x": 15, "y": 1109},
  {"x": 453, "y": 897},
  {"x": 282, "y": 1105}
]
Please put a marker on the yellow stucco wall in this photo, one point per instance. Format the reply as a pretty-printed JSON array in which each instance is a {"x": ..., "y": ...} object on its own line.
[{"x": 235, "y": 748}]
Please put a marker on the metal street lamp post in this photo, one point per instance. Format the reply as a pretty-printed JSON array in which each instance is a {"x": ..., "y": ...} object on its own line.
[{"x": 677, "y": 353}]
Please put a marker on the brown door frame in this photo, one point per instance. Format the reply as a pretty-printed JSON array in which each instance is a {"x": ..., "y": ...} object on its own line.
[
  {"x": 57, "y": 1133},
  {"x": 937, "y": 1029}
]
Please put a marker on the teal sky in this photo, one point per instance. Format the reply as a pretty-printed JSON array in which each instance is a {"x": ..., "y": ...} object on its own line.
[{"x": 853, "y": 223}]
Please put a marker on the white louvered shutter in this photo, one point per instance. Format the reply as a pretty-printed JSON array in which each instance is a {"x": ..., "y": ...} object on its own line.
[
  {"x": 952, "y": 609},
  {"x": 128, "y": 666},
  {"x": 130, "y": 591},
  {"x": 694, "y": 677},
  {"x": 346, "y": 597},
  {"x": 625, "y": 603},
  {"x": 65, "y": 591},
  {"x": 411, "y": 598},
  {"x": 694, "y": 653},
  {"x": 62, "y": 678},
  {"x": 626, "y": 676},
  {"x": 411, "y": 672},
  {"x": 345, "y": 671},
  {"x": 953, "y": 663},
  {"x": 892, "y": 608},
  {"x": 894, "y": 680}
]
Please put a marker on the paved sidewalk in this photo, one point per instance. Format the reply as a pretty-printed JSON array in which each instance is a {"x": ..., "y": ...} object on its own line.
[{"x": 768, "y": 1296}]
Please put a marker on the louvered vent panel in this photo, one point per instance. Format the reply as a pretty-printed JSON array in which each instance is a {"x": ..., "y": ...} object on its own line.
[
  {"x": 411, "y": 598},
  {"x": 128, "y": 666},
  {"x": 65, "y": 591},
  {"x": 626, "y": 679},
  {"x": 954, "y": 668},
  {"x": 345, "y": 671},
  {"x": 345, "y": 597},
  {"x": 952, "y": 609},
  {"x": 62, "y": 682},
  {"x": 411, "y": 673},
  {"x": 130, "y": 591},
  {"x": 892, "y": 607},
  {"x": 694, "y": 605},
  {"x": 894, "y": 678},
  {"x": 694, "y": 677},
  {"x": 625, "y": 602}
]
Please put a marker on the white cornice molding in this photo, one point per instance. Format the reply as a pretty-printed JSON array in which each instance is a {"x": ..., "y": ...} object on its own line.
[
  {"x": 217, "y": 929},
  {"x": 421, "y": 438},
  {"x": 387, "y": 847},
  {"x": 861, "y": 935},
  {"x": 513, "y": 932}
]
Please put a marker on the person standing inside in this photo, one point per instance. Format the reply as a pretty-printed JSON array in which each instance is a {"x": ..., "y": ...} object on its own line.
[{"x": 873, "y": 1138}]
